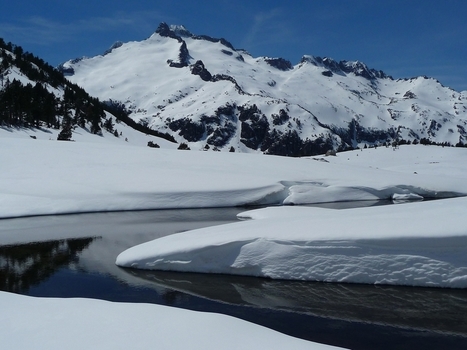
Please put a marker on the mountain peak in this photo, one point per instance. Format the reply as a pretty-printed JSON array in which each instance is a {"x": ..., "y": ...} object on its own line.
[
  {"x": 180, "y": 30},
  {"x": 164, "y": 30}
]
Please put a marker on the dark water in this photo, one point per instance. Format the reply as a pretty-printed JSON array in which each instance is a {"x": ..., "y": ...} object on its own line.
[{"x": 74, "y": 255}]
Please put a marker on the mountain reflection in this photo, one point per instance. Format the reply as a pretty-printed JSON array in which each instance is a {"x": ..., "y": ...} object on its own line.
[
  {"x": 434, "y": 309},
  {"x": 25, "y": 265}
]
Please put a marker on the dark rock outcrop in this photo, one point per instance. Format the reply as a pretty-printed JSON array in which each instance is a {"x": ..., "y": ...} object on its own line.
[
  {"x": 183, "y": 57},
  {"x": 218, "y": 77},
  {"x": 279, "y": 63},
  {"x": 116, "y": 45},
  {"x": 254, "y": 126},
  {"x": 213, "y": 40},
  {"x": 199, "y": 69},
  {"x": 222, "y": 126},
  {"x": 165, "y": 31},
  {"x": 344, "y": 67},
  {"x": 409, "y": 95}
]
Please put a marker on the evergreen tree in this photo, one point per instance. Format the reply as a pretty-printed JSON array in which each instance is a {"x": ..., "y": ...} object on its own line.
[
  {"x": 108, "y": 125},
  {"x": 65, "y": 134}
]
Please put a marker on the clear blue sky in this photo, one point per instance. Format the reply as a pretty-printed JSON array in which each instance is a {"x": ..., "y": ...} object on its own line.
[{"x": 404, "y": 38}]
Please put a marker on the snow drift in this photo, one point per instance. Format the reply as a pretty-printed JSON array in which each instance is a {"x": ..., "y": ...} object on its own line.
[
  {"x": 418, "y": 244},
  {"x": 40, "y": 176}
]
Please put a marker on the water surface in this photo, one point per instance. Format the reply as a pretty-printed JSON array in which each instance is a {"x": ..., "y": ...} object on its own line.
[{"x": 74, "y": 256}]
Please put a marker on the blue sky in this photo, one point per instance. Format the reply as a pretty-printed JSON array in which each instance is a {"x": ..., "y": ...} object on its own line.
[{"x": 404, "y": 38}]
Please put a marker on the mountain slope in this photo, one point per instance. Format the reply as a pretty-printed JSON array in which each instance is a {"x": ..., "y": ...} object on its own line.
[
  {"x": 32, "y": 93},
  {"x": 206, "y": 93},
  {"x": 36, "y": 100}
]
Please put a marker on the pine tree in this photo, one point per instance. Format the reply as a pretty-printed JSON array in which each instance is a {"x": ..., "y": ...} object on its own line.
[{"x": 108, "y": 125}]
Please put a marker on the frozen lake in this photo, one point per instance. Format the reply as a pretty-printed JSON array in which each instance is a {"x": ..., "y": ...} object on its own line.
[{"x": 74, "y": 256}]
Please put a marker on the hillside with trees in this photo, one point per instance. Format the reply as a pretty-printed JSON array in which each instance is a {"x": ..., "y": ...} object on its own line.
[{"x": 34, "y": 94}]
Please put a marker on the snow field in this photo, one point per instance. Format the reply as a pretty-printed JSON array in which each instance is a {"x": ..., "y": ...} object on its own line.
[
  {"x": 53, "y": 323},
  {"x": 44, "y": 176}
]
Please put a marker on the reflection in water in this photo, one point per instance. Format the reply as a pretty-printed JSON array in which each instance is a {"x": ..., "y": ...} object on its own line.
[
  {"x": 25, "y": 265},
  {"x": 68, "y": 263},
  {"x": 440, "y": 310}
]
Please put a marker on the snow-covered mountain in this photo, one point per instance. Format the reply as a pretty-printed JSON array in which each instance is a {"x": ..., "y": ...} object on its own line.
[{"x": 210, "y": 95}]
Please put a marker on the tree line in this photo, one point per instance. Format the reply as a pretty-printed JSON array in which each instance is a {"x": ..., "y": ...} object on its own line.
[
  {"x": 52, "y": 101},
  {"x": 49, "y": 99}
]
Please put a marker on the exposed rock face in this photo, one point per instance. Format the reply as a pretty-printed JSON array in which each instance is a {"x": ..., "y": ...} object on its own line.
[
  {"x": 223, "y": 126},
  {"x": 219, "y": 77},
  {"x": 409, "y": 95},
  {"x": 213, "y": 40},
  {"x": 344, "y": 67},
  {"x": 279, "y": 63},
  {"x": 199, "y": 69},
  {"x": 116, "y": 45},
  {"x": 165, "y": 31},
  {"x": 254, "y": 126},
  {"x": 180, "y": 30},
  {"x": 183, "y": 57},
  {"x": 360, "y": 69}
]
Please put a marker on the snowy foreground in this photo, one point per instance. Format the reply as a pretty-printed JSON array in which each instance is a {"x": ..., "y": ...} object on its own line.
[
  {"x": 95, "y": 324},
  {"x": 41, "y": 176},
  {"x": 421, "y": 243}
]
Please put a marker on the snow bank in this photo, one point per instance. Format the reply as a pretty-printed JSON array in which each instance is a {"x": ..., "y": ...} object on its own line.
[
  {"x": 41, "y": 176},
  {"x": 416, "y": 244},
  {"x": 89, "y": 324}
]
